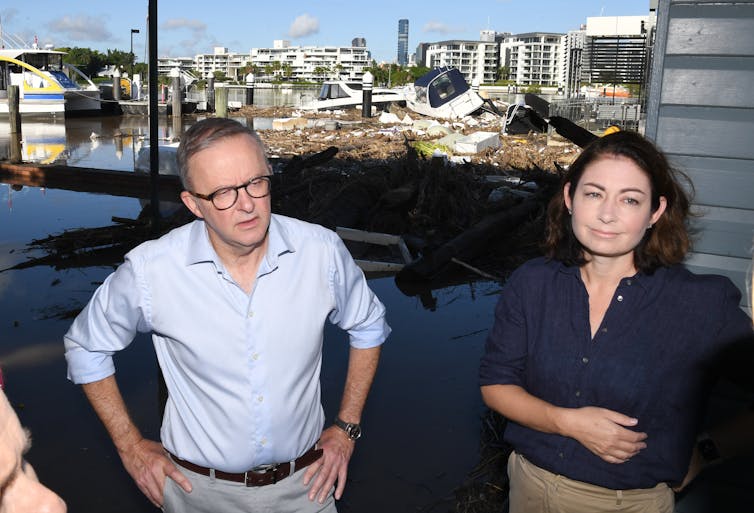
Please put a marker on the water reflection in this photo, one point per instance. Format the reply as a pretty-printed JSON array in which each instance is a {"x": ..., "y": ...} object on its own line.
[{"x": 426, "y": 382}]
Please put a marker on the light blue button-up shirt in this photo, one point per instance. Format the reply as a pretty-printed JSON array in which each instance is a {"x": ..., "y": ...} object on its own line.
[{"x": 242, "y": 370}]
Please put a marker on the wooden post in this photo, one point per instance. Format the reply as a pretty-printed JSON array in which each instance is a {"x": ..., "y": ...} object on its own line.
[
  {"x": 221, "y": 101},
  {"x": 210, "y": 94},
  {"x": 366, "y": 99},
  {"x": 175, "y": 84},
  {"x": 14, "y": 109},
  {"x": 116, "y": 85},
  {"x": 250, "y": 89}
]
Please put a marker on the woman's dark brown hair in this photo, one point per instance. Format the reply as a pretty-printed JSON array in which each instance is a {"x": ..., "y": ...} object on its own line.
[{"x": 666, "y": 243}]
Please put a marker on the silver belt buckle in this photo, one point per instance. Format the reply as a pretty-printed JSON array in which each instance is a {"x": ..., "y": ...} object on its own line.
[{"x": 261, "y": 470}]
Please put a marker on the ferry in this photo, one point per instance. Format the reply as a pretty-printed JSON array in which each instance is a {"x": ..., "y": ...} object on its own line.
[{"x": 46, "y": 84}]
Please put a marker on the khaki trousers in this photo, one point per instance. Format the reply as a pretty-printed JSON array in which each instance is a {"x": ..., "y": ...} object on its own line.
[{"x": 535, "y": 490}]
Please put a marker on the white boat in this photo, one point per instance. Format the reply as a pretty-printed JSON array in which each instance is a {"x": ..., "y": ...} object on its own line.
[
  {"x": 337, "y": 94},
  {"x": 443, "y": 93},
  {"x": 46, "y": 84}
]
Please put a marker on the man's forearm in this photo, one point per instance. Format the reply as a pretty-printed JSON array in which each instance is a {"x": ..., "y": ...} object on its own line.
[
  {"x": 107, "y": 401},
  {"x": 362, "y": 365}
]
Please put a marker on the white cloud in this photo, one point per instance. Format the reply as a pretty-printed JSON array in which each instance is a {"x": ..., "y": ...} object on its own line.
[
  {"x": 7, "y": 14},
  {"x": 441, "y": 28},
  {"x": 304, "y": 25},
  {"x": 184, "y": 23},
  {"x": 81, "y": 28}
]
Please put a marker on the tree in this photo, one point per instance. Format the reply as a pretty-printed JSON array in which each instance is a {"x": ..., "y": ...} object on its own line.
[
  {"x": 87, "y": 60},
  {"x": 321, "y": 71},
  {"x": 220, "y": 76},
  {"x": 503, "y": 73}
]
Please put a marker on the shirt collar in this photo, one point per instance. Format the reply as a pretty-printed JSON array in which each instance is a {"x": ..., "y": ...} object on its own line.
[
  {"x": 200, "y": 248},
  {"x": 640, "y": 278}
]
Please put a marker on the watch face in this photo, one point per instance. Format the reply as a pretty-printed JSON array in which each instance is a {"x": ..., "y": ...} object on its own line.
[{"x": 354, "y": 431}]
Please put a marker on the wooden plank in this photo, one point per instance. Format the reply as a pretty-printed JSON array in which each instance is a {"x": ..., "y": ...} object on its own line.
[
  {"x": 104, "y": 181},
  {"x": 721, "y": 29},
  {"x": 719, "y": 181},
  {"x": 725, "y": 232},
  {"x": 736, "y": 269},
  {"x": 707, "y": 131},
  {"x": 382, "y": 239},
  {"x": 708, "y": 81}
]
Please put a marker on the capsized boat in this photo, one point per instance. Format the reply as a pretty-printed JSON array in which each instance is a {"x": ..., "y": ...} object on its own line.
[
  {"x": 443, "y": 93},
  {"x": 338, "y": 94},
  {"x": 46, "y": 84}
]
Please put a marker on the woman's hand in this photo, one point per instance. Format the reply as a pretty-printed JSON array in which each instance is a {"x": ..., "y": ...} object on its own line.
[{"x": 605, "y": 433}]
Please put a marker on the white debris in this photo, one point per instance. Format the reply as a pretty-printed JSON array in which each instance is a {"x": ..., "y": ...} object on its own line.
[
  {"x": 476, "y": 142},
  {"x": 389, "y": 117},
  {"x": 438, "y": 131}
]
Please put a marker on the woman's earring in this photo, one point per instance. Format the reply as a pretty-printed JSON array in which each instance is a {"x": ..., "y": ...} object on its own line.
[
  {"x": 570, "y": 212},
  {"x": 649, "y": 227}
]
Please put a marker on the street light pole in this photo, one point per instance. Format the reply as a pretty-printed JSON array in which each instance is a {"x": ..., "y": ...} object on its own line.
[{"x": 133, "y": 31}]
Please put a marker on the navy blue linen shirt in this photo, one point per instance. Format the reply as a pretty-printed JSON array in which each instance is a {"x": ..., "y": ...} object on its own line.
[{"x": 652, "y": 358}]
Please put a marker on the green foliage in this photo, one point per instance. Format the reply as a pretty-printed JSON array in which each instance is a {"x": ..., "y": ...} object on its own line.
[
  {"x": 533, "y": 88},
  {"x": 395, "y": 75},
  {"x": 220, "y": 76},
  {"x": 87, "y": 60}
]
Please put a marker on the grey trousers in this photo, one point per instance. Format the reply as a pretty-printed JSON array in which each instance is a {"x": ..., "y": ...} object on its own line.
[{"x": 215, "y": 495}]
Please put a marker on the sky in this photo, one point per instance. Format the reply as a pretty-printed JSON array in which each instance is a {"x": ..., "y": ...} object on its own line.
[{"x": 188, "y": 27}]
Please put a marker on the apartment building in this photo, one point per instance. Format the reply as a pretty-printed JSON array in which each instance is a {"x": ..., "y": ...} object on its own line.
[
  {"x": 617, "y": 49},
  {"x": 229, "y": 63},
  {"x": 476, "y": 60},
  {"x": 313, "y": 62},
  {"x": 533, "y": 58},
  {"x": 571, "y": 68},
  {"x": 298, "y": 63}
]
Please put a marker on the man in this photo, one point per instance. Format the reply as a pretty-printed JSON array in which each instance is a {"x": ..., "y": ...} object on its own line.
[
  {"x": 236, "y": 303},
  {"x": 20, "y": 490}
]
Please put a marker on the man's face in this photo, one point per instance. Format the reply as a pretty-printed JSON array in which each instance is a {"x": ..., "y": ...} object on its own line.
[
  {"x": 229, "y": 163},
  {"x": 20, "y": 491}
]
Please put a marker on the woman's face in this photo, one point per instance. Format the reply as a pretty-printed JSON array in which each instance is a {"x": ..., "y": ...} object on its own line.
[{"x": 612, "y": 207}]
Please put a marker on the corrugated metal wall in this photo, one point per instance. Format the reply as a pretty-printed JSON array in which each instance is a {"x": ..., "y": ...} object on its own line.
[{"x": 701, "y": 113}]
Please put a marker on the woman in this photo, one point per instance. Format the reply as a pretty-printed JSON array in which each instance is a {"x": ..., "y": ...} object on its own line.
[{"x": 602, "y": 352}]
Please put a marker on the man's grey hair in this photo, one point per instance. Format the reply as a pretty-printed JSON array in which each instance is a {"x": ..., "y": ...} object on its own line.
[{"x": 204, "y": 134}]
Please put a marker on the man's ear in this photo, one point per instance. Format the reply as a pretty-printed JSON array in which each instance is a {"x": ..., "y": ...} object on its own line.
[{"x": 191, "y": 204}]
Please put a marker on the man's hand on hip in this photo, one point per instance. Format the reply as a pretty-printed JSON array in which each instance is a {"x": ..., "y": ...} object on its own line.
[
  {"x": 148, "y": 464},
  {"x": 333, "y": 465}
]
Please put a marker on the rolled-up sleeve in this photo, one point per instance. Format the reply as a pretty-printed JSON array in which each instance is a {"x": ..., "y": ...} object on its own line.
[
  {"x": 107, "y": 324},
  {"x": 358, "y": 310},
  {"x": 506, "y": 349}
]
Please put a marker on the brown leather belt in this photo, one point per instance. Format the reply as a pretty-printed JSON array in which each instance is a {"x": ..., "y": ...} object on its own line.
[{"x": 259, "y": 476}]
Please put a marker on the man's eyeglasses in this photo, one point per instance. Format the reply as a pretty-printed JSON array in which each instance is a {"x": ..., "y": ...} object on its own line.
[{"x": 224, "y": 198}]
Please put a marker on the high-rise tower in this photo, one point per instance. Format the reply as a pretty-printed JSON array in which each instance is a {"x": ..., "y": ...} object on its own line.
[{"x": 402, "y": 42}]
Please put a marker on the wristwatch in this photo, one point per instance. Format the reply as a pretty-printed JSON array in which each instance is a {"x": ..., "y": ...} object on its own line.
[
  {"x": 707, "y": 448},
  {"x": 352, "y": 430}
]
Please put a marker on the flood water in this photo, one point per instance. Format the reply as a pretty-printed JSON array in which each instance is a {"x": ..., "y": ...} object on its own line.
[{"x": 422, "y": 421}]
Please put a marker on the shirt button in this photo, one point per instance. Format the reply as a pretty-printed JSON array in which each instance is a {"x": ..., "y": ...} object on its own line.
[
  {"x": 255, "y": 356},
  {"x": 585, "y": 360},
  {"x": 561, "y": 455},
  {"x": 578, "y": 393},
  {"x": 263, "y": 441},
  {"x": 604, "y": 330},
  {"x": 260, "y": 398},
  {"x": 251, "y": 313},
  {"x": 629, "y": 282},
  {"x": 620, "y": 298}
]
